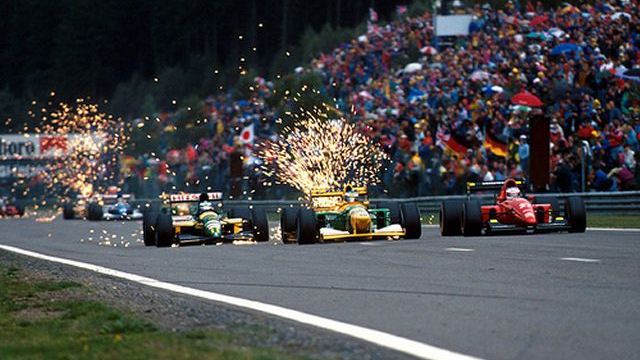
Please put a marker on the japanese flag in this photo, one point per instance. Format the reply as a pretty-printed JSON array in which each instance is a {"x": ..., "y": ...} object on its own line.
[{"x": 246, "y": 136}]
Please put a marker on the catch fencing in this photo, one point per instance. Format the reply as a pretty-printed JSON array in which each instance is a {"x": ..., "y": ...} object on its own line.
[{"x": 596, "y": 202}]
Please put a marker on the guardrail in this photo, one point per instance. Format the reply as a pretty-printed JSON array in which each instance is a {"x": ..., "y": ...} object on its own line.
[{"x": 603, "y": 202}]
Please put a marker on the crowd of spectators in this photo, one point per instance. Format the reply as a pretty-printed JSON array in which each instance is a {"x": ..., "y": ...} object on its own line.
[{"x": 413, "y": 93}]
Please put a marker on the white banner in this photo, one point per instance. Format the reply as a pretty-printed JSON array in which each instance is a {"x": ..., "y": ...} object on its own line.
[
  {"x": 453, "y": 25},
  {"x": 42, "y": 146}
]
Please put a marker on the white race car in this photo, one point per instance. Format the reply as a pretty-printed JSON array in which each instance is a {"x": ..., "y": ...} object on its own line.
[{"x": 101, "y": 207}]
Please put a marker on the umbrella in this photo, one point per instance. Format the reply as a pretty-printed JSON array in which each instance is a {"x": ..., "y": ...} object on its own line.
[
  {"x": 569, "y": 9},
  {"x": 537, "y": 35},
  {"x": 521, "y": 109},
  {"x": 537, "y": 20},
  {"x": 565, "y": 48},
  {"x": 632, "y": 72},
  {"x": 429, "y": 50},
  {"x": 556, "y": 32},
  {"x": 479, "y": 75},
  {"x": 365, "y": 95},
  {"x": 412, "y": 67},
  {"x": 489, "y": 89},
  {"x": 617, "y": 15},
  {"x": 526, "y": 98}
]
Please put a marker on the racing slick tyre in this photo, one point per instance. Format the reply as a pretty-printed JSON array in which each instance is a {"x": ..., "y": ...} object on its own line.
[
  {"x": 67, "y": 211},
  {"x": 151, "y": 206},
  {"x": 260, "y": 225},
  {"x": 164, "y": 230},
  {"x": 306, "y": 227},
  {"x": 471, "y": 218},
  {"x": 576, "y": 214},
  {"x": 245, "y": 214},
  {"x": 149, "y": 228},
  {"x": 555, "y": 206},
  {"x": 395, "y": 216},
  {"x": 288, "y": 224},
  {"x": 451, "y": 218},
  {"x": 411, "y": 221},
  {"x": 94, "y": 212}
]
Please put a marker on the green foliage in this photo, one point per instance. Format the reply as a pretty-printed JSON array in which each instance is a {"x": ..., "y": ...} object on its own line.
[
  {"x": 419, "y": 7},
  {"x": 40, "y": 321}
]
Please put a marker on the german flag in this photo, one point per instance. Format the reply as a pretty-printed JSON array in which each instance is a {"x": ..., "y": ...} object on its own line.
[
  {"x": 452, "y": 143},
  {"x": 495, "y": 145}
]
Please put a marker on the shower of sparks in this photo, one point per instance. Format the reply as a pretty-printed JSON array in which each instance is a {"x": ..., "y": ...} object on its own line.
[
  {"x": 94, "y": 143},
  {"x": 321, "y": 153}
]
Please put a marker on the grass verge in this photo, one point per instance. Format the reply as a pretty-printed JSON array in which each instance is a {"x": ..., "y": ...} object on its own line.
[
  {"x": 613, "y": 221},
  {"x": 55, "y": 320}
]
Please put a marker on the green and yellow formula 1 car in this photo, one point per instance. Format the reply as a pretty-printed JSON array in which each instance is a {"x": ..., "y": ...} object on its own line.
[
  {"x": 192, "y": 217},
  {"x": 346, "y": 215}
]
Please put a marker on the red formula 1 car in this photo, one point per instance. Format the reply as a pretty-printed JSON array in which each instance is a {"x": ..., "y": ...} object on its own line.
[
  {"x": 511, "y": 211},
  {"x": 10, "y": 208}
]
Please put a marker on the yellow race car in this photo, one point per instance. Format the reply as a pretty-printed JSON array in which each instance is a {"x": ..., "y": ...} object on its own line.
[
  {"x": 346, "y": 215},
  {"x": 193, "y": 217}
]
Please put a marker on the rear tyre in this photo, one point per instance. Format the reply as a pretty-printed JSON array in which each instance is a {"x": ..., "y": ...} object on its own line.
[
  {"x": 68, "y": 212},
  {"x": 576, "y": 214},
  {"x": 451, "y": 218},
  {"x": 471, "y": 218},
  {"x": 94, "y": 212},
  {"x": 245, "y": 214},
  {"x": 306, "y": 227},
  {"x": 20, "y": 210},
  {"x": 288, "y": 224},
  {"x": 555, "y": 206},
  {"x": 395, "y": 216},
  {"x": 149, "y": 219},
  {"x": 151, "y": 206},
  {"x": 164, "y": 230},
  {"x": 260, "y": 225},
  {"x": 411, "y": 221}
]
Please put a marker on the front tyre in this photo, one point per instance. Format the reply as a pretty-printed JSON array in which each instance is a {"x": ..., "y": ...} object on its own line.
[
  {"x": 451, "y": 218},
  {"x": 164, "y": 230},
  {"x": 260, "y": 225},
  {"x": 149, "y": 219},
  {"x": 411, "y": 221},
  {"x": 471, "y": 218},
  {"x": 288, "y": 224},
  {"x": 68, "y": 212},
  {"x": 576, "y": 214},
  {"x": 306, "y": 227}
]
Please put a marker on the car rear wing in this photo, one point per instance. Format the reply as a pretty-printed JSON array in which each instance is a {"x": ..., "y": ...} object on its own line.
[
  {"x": 326, "y": 192},
  {"x": 491, "y": 186},
  {"x": 190, "y": 197},
  {"x": 107, "y": 199}
]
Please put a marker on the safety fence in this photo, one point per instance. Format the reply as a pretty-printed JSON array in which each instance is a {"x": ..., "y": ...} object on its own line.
[{"x": 596, "y": 202}]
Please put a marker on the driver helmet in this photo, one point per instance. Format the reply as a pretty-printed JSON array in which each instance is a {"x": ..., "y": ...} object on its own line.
[
  {"x": 513, "y": 192},
  {"x": 350, "y": 196},
  {"x": 206, "y": 206}
]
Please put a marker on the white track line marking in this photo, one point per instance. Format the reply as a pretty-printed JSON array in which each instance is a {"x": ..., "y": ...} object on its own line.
[
  {"x": 614, "y": 229},
  {"x": 586, "y": 260},
  {"x": 459, "y": 249},
  {"x": 397, "y": 343}
]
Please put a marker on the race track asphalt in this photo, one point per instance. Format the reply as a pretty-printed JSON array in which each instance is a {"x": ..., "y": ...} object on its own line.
[{"x": 552, "y": 296}]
